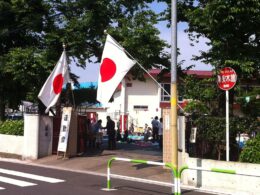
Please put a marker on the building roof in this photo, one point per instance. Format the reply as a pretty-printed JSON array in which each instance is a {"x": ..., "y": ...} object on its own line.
[
  {"x": 200, "y": 73},
  {"x": 197, "y": 73}
]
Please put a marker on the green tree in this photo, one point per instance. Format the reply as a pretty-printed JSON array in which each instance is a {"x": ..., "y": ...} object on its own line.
[
  {"x": 250, "y": 101},
  {"x": 233, "y": 30},
  {"x": 202, "y": 92},
  {"x": 140, "y": 29},
  {"x": 211, "y": 135},
  {"x": 22, "y": 24},
  {"x": 251, "y": 151},
  {"x": 80, "y": 96},
  {"x": 42, "y": 26}
]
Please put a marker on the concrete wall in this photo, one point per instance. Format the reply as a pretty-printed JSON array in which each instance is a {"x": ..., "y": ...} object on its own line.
[
  {"x": 11, "y": 144},
  {"x": 219, "y": 182},
  {"x": 137, "y": 94},
  {"x": 37, "y": 139},
  {"x": 45, "y": 136}
]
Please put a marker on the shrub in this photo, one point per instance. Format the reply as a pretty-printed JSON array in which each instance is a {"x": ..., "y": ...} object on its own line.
[
  {"x": 211, "y": 135},
  {"x": 196, "y": 107},
  {"x": 12, "y": 127},
  {"x": 251, "y": 151}
]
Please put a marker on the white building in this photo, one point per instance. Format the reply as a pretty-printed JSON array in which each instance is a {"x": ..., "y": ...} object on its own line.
[{"x": 141, "y": 101}]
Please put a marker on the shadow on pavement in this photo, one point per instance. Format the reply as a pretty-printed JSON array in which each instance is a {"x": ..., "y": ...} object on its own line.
[{"x": 134, "y": 147}]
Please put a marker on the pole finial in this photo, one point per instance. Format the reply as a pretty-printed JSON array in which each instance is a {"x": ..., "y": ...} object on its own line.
[
  {"x": 105, "y": 32},
  {"x": 64, "y": 46}
]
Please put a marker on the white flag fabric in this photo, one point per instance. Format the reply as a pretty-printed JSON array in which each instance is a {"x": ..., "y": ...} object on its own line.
[
  {"x": 114, "y": 66},
  {"x": 52, "y": 88}
]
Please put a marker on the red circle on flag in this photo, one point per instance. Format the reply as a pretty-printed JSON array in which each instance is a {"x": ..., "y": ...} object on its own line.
[
  {"x": 57, "y": 84},
  {"x": 107, "y": 69},
  {"x": 227, "y": 78}
]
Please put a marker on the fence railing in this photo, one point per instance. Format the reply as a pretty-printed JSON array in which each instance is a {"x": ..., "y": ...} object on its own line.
[
  {"x": 218, "y": 170},
  {"x": 169, "y": 165},
  {"x": 175, "y": 172}
]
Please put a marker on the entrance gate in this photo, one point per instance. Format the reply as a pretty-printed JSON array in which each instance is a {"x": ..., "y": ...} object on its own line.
[{"x": 80, "y": 131}]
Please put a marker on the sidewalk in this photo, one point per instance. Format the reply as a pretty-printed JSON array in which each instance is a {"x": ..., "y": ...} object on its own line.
[{"x": 96, "y": 161}]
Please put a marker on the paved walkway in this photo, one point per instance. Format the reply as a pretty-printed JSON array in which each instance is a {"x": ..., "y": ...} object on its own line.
[{"x": 96, "y": 161}]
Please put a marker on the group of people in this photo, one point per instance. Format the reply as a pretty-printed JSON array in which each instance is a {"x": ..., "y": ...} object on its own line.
[
  {"x": 94, "y": 134},
  {"x": 154, "y": 134}
]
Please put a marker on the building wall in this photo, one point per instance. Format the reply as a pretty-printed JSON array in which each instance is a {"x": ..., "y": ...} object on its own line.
[
  {"x": 114, "y": 108},
  {"x": 137, "y": 94},
  {"x": 143, "y": 94}
]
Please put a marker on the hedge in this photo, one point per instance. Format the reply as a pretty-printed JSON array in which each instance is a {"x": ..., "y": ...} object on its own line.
[
  {"x": 12, "y": 127},
  {"x": 251, "y": 151}
]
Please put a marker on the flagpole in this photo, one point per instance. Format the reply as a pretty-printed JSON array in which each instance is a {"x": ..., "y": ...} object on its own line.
[
  {"x": 73, "y": 98},
  {"x": 143, "y": 69}
]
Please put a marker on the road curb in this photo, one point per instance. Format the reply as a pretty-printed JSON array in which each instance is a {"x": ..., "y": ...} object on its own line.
[{"x": 185, "y": 187}]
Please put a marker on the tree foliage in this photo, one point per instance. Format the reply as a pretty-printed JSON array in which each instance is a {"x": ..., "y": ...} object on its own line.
[
  {"x": 32, "y": 33},
  {"x": 249, "y": 100},
  {"x": 251, "y": 151},
  {"x": 80, "y": 96},
  {"x": 12, "y": 127},
  {"x": 202, "y": 92},
  {"x": 211, "y": 131},
  {"x": 233, "y": 30}
]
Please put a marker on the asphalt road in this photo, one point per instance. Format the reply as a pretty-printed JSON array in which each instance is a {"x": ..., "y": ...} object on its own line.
[{"x": 68, "y": 183}]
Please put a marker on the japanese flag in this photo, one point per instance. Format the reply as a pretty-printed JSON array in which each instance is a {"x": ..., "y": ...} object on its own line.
[
  {"x": 114, "y": 66},
  {"x": 52, "y": 88}
]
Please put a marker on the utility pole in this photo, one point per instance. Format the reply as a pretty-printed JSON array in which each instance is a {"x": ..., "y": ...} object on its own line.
[{"x": 173, "y": 126}]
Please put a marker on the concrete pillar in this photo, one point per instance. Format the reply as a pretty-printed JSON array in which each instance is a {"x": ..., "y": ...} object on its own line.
[
  {"x": 45, "y": 136},
  {"x": 38, "y": 131},
  {"x": 31, "y": 136},
  {"x": 167, "y": 138}
]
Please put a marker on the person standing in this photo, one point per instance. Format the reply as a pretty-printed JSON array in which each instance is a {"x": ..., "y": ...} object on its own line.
[
  {"x": 111, "y": 132},
  {"x": 160, "y": 133},
  {"x": 88, "y": 133},
  {"x": 146, "y": 132},
  {"x": 95, "y": 130},
  {"x": 155, "y": 128}
]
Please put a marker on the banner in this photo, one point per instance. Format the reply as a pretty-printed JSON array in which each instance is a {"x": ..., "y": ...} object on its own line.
[{"x": 64, "y": 129}]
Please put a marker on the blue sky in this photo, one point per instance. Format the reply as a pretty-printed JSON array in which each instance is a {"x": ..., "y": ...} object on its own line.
[{"x": 90, "y": 74}]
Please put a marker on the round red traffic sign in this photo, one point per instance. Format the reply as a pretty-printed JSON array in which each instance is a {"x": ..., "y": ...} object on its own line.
[{"x": 227, "y": 78}]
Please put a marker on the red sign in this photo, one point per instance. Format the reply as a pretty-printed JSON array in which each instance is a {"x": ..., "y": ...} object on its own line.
[{"x": 227, "y": 78}]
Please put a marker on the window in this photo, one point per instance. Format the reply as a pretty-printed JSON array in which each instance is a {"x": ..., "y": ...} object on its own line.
[
  {"x": 140, "y": 107},
  {"x": 164, "y": 96}
]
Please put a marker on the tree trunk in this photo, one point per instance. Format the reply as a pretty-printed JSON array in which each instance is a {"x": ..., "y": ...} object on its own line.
[{"x": 2, "y": 105}]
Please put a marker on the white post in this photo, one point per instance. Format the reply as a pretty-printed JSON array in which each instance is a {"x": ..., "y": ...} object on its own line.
[
  {"x": 123, "y": 105},
  {"x": 31, "y": 136},
  {"x": 227, "y": 125}
]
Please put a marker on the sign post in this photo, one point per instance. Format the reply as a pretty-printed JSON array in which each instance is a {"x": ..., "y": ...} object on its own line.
[
  {"x": 68, "y": 133},
  {"x": 226, "y": 80}
]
